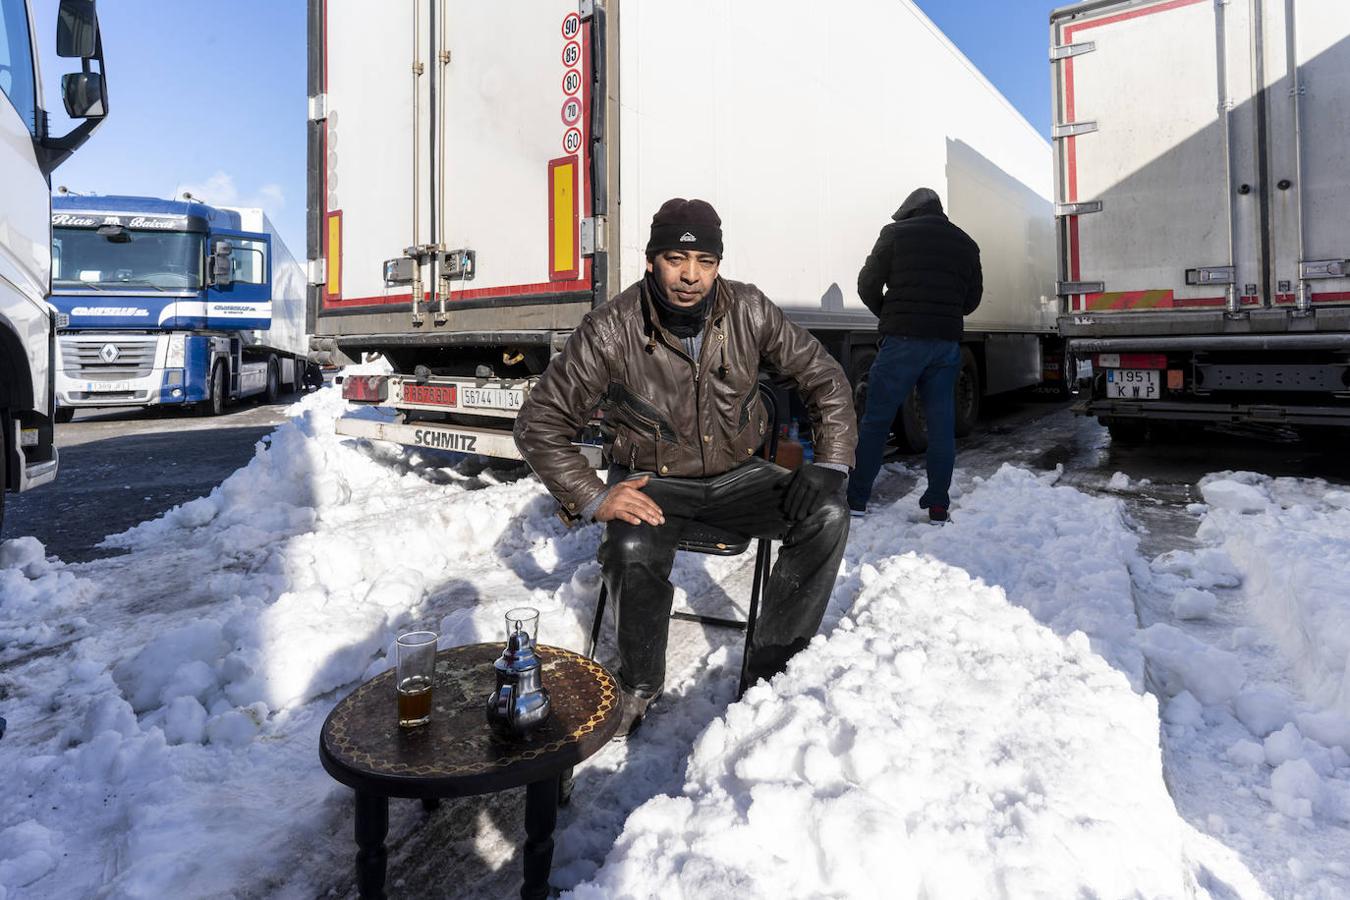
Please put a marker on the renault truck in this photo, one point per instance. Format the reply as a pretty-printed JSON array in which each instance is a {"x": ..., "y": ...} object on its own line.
[
  {"x": 1202, "y": 175},
  {"x": 483, "y": 174},
  {"x": 29, "y": 152},
  {"x": 173, "y": 303}
]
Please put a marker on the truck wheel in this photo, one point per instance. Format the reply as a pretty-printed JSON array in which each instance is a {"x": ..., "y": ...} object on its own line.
[
  {"x": 1126, "y": 431},
  {"x": 967, "y": 394},
  {"x": 214, "y": 404},
  {"x": 859, "y": 368},
  {"x": 64, "y": 414},
  {"x": 273, "y": 381},
  {"x": 4, "y": 476}
]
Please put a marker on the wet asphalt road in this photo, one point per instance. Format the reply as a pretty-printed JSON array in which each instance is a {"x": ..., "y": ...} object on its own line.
[{"x": 120, "y": 467}]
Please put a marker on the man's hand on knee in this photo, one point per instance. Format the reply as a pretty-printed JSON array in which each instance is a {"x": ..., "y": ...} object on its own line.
[
  {"x": 626, "y": 502},
  {"x": 810, "y": 485}
]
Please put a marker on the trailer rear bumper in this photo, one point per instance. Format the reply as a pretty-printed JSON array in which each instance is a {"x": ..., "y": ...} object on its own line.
[
  {"x": 1206, "y": 324},
  {"x": 455, "y": 438},
  {"x": 1216, "y": 413}
]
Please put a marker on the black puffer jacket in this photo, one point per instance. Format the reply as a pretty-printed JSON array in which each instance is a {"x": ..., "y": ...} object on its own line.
[{"x": 930, "y": 270}]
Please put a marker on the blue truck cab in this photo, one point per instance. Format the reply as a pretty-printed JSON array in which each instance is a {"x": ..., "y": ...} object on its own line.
[{"x": 172, "y": 302}]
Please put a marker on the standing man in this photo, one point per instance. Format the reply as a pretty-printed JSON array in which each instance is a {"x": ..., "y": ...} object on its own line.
[
  {"x": 930, "y": 270},
  {"x": 675, "y": 358}
]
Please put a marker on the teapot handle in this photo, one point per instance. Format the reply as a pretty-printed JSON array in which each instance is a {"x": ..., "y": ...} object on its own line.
[{"x": 506, "y": 705}]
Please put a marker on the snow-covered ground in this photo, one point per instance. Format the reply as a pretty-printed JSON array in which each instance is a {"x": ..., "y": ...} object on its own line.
[{"x": 979, "y": 717}]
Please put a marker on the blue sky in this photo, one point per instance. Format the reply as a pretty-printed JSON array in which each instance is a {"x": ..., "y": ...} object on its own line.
[{"x": 210, "y": 97}]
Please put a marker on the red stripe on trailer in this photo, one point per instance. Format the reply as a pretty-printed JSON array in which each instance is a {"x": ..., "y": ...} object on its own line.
[
  {"x": 1071, "y": 143},
  {"x": 1332, "y": 297},
  {"x": 511, "y": 290}
]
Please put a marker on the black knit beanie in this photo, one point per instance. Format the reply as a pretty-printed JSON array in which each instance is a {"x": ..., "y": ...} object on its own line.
[{"x": 686, "y": 225}]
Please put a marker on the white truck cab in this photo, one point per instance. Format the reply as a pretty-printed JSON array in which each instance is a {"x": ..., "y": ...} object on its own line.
[{"x": 28, "y": 154}]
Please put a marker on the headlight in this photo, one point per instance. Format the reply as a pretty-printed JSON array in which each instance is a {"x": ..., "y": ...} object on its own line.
[{"x": 176, "y": 357}]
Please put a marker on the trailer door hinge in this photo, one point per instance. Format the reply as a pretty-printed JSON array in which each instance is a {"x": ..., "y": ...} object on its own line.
[
  {"x": 1070, "y": 129},
  {"x": 593, "y": 237},
  {"x": 318, "y": 107},
  {"x": 1324, "y": 268},
  {"x": 1078, "y": 209},
  {"x": 1211, "y": 275},
  {"x": 317, "y": 271},
  {"x": 586, "y": 8},
  {"x": 1064, "y": 51},
  {"x": 1068, "y": 288}
]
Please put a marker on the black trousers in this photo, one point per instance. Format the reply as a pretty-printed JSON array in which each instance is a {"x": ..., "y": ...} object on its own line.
[{"x": 636, "y": 561}]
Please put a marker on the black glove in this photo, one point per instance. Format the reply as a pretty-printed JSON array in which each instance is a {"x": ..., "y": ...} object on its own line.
[{"x": 811, "y": 484}]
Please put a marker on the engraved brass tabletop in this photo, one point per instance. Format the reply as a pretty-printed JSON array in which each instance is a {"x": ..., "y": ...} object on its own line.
[{"x": 457, "y": 754}]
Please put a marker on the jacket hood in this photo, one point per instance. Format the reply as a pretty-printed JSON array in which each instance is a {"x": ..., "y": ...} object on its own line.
[{"x": 921, "y": 202}]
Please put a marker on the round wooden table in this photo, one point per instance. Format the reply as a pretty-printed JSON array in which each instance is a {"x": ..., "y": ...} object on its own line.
[{"x": 456, "y": 754}]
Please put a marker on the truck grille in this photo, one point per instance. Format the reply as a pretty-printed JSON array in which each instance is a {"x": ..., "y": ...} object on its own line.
[{"x": 84, "y": 357}]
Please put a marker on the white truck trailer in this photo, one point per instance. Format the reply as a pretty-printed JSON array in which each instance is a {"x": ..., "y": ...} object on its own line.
[
  {"x": 483, "y": 174},
  {"x": 1203, "y": 181},
  {"x": 29, "y": 153}
]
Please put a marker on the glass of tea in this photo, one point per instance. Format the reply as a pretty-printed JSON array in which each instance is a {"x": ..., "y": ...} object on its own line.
[{"x": 416, "y": 663}]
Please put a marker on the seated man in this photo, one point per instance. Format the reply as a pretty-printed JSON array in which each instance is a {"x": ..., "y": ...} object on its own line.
[{"x": 676, "y": 359}]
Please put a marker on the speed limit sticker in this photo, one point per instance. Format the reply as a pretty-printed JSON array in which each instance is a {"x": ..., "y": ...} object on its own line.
[
  {"x": 571, "y": 54},
  {"x": 571, "y": 111},
  {"x": 571, "y": 26},
  {"x": 572, "y": 140},
  {"x": 571, "y": 82}
]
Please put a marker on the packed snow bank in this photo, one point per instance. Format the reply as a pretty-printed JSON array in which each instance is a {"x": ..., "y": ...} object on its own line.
[
  {"x": 170, "y": 748},
  {"x": 1290, "y": 538},
  {"x": 940, "y": 743},
  {"x": 973, "y": 725}
]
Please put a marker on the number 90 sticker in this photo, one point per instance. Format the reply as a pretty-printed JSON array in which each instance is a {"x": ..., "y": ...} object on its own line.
[
  {"x": 572, "y": 140},
  {"x": 571, "y": 82},
  {"x": 571, "y": 26},
  {"x": 571, "y": 111}
]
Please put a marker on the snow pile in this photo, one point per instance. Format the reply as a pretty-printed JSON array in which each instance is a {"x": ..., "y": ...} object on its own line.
[
  {"x": 36, "y": 595},
  {"x": 1291, "y": 541},
  {"x": 188, "y": 705},
  {"x": 973, "y": 725},
  {"x": 939, "y": 743},
  {"x": 1063, "y": 555}
]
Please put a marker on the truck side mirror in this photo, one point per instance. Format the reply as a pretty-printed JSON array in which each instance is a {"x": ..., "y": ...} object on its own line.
[
  {"x": 222, "y": 264},
  {"x": 77, "y": 29},
  {"x": 83, "y": 94}
]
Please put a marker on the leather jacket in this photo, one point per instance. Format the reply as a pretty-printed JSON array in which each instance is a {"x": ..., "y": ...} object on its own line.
[{"x": 666, "y": 413}]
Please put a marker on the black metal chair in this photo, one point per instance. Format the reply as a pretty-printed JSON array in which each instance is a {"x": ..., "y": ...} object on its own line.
[{"x": 701, "y": 538}]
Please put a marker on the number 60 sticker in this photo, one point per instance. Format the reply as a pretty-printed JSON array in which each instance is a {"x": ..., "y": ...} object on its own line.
[{"x": 572, "y": 140}]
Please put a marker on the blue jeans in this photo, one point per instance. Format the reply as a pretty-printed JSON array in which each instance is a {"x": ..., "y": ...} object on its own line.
[{"x": 901, "y": 365}]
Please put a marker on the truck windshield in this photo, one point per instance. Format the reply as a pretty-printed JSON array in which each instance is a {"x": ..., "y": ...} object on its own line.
[{"x": 126, "y": 259}]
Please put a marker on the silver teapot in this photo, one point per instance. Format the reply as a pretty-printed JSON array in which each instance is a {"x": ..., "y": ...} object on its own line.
[{"x": 520, "y": 703}]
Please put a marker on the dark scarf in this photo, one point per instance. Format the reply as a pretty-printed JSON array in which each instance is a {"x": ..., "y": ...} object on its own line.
[{"x": 681, "y": 321}]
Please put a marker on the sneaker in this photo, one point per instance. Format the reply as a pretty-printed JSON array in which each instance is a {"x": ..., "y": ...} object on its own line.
[
  {"x": 632, "y": 711},
  {"x": 938, "y": 514},
  {"x": 857, "y": 512}
]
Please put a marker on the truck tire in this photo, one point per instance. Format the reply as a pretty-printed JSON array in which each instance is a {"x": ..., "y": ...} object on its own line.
[
  {"x": 4, "y": 475},
  {"x": 64, "y": 414},
  {"x": 273, "y": 390},
  {"x": 967, "y": 394},
  {"x": 214, "y": 404}
]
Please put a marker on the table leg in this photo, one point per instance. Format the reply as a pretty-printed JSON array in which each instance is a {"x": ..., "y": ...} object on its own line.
[
  {"x": 372, "y": 824},
  {"x": 541, "y": 815}
]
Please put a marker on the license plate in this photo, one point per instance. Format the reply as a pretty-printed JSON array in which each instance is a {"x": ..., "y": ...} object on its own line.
[
  {"x": 492, "y": 398},
  {"x": 107, "y": 387},
  {"x": 1133, "y": 384}
]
